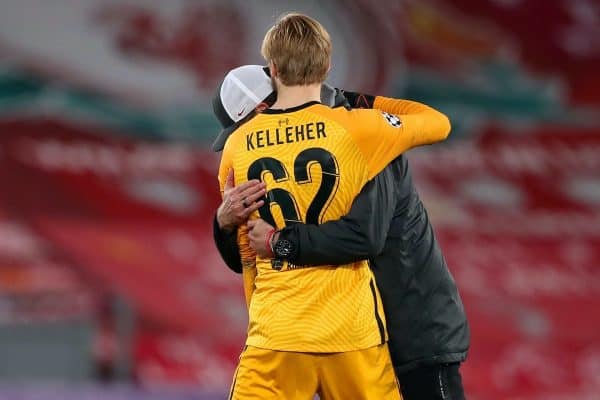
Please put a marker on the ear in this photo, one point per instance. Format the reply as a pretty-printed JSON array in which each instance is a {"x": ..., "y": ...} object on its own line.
[
  {"x": 272, "y": 69},
  {"x": 261, "y": 107}
]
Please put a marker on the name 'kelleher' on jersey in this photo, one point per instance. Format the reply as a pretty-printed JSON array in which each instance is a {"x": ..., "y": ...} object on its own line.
[{"x": 314, "y": 161}]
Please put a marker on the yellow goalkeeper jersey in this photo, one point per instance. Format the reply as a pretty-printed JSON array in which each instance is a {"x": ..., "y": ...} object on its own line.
[{"x": 315, "y": 160}]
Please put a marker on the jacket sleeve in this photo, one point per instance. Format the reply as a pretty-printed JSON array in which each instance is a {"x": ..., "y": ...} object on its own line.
[
  {"x": 359, "y": 235},
  {"x": 227, "y": 245}
]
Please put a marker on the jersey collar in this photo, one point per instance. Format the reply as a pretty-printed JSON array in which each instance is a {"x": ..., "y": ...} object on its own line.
[{"x": 291, "y": 109}]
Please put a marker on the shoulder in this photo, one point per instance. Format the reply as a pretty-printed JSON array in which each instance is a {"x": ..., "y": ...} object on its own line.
[
  {"x": 365, "y": 116},
  {"x": 349, "y": 117}
]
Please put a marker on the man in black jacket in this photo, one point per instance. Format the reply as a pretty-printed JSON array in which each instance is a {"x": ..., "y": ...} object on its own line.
[{"x": 387, "y": 224}]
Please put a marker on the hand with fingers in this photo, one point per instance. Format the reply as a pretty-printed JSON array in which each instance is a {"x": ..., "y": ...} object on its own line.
[
  {"x": 262, "y": 236},
  {"x": 239, "y": 202}
]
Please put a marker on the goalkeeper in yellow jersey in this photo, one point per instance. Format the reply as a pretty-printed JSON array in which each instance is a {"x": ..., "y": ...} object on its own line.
[{"x": 315, "y": 330}]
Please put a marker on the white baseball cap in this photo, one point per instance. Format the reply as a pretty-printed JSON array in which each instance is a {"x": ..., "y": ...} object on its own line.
[{"x": 238, "y": 95}]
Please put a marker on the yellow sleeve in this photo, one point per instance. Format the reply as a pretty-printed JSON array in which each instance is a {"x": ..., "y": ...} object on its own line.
[
  {"x": 400, "y": 106},
  {"x": 383, "y": 136},
  {"x": 224, "y": 168},
  {"x": 249, "y": 276},
  {"x": 248, "y": 256},
  {"x": 248, "y": 261}
]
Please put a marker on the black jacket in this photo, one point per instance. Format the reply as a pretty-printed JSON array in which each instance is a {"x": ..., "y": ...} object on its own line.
[{"x": 388, "y": 225}]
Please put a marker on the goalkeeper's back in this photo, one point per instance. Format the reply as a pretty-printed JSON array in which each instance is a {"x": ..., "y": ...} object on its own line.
[{"x": 315, "y": 160}]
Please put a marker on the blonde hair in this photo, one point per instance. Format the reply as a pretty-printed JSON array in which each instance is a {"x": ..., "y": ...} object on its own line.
[{"x": 300, "y": 48}]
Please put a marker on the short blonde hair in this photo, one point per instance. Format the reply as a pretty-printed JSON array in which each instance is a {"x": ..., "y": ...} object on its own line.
[{"x": 300, "y": 48}]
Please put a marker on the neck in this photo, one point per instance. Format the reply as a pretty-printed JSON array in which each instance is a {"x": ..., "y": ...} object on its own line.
[{"x": 292, "y": 96}]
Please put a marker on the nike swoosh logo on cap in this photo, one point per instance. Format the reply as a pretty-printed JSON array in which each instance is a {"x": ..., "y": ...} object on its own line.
[{"x": 241, "y": 112}]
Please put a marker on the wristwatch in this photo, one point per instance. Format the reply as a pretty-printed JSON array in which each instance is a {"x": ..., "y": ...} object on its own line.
[{"x": 283, "y": 248}]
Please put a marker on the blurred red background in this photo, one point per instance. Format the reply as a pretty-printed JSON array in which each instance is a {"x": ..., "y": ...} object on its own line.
[{"x": 108, "y": 272}]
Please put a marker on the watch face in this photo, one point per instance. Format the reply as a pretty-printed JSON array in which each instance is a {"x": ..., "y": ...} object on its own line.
[{"x": 283, "y": 248}]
